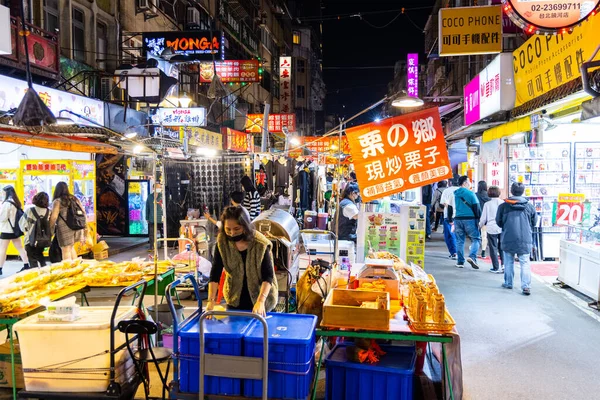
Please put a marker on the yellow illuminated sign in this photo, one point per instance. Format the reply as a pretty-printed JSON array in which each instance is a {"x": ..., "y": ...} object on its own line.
[{"x": 470, "y": 30}]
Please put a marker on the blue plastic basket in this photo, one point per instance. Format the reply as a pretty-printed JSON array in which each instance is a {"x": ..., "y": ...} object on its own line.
[
  {"x": 390, "y": 379},
  {"x": 222, "y": 336},
  {"x": 291, "y": 355}
]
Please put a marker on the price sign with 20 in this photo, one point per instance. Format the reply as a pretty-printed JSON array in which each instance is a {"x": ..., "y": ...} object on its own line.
[{"x": 571, "y": 210}]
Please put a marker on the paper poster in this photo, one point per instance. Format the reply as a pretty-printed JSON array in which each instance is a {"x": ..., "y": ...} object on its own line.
[{"x": 382, "y": 232}]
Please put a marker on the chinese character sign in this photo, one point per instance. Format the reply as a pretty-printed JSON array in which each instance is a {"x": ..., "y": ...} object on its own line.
[
  {"x": 201, "y": 137},
  {"x": 544, "y": 63},
  {"x": 195, "y": 116},
  {"x": 550, "y": 15},
  {"x": 495, "y": 174},
  {"x": 571, "y": 209},
  {"x": 237, "y": 141},
  {"x": 254, "y": 123},
  {"x": 470, "y": 30},
  {"x": 285, "y": 84},
  {"x": 399, "y": 153},
  {"x": 412, "y": 75},
  {"x": 318, "y": 145},
  {"x": 230, "y": 71},
  {"x": 471, "y": 101}
]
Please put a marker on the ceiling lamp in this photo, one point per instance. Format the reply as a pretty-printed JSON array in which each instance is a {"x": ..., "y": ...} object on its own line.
[{"x": 405, "y": 101}]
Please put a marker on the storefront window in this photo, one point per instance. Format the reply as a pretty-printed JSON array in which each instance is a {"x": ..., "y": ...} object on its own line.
[
  {"x": 301, "y": 91},
  {"x": 78, "y": 35},
  {"x": 296, "y": 37},
  {"x": 101, "y": 44}
]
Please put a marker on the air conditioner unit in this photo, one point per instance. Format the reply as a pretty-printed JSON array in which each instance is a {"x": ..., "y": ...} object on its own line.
[
  {"x": 193, "y": 16},
  {"x": 106, "y": 89},
  {"x": 143, "y": 5},
  {"x": 148, "y": 7}
]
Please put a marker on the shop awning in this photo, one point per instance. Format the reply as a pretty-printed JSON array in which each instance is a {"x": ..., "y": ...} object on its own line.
[
  {"x": 54, "y": 141},
  {"x": 507, "y": 129}
]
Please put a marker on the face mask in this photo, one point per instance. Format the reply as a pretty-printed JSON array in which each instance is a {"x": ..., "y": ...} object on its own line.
[{"x": 235, "y": 238}]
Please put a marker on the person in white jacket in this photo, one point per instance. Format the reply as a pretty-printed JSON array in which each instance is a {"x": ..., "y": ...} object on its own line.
[
  {"x": 488, "y": 219},
  {"x": 8, "y": 223}
]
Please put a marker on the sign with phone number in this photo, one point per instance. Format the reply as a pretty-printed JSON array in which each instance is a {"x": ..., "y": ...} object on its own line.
[
  {"x": 571, "y": 209},
  {"x": 550, "y": 14}
]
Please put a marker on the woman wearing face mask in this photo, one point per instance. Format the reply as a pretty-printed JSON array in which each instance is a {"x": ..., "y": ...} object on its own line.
[
  {"x": 245, "y": 255},
  {"x": 348, "y": 219}
]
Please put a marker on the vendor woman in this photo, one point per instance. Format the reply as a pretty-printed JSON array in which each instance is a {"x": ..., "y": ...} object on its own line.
[
  {"x": 348, "y": 218},
  {"x": 245, "y": 254}
]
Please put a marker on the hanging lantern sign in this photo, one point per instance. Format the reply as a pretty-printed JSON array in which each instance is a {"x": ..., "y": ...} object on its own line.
[{"x": 549, "y": 16}]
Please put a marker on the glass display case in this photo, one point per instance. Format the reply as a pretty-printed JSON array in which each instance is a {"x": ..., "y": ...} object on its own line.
[
  {"x": 546, "y": 171},
  {"x": 43, "y": 176},
  {"x": 579, "y": 265},
  {"x": 587, "y": 174}
]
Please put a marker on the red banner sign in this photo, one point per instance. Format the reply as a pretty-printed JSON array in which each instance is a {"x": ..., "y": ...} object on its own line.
[
  {"x": 230, "y": 71},
  {"x": 254, "y": 123},
  {"x": 400, "y": 153},
  {"x": 237, "y": 141}
]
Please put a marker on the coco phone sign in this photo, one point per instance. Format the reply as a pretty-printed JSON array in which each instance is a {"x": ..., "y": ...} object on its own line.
[{"x": 551, "y": 15}]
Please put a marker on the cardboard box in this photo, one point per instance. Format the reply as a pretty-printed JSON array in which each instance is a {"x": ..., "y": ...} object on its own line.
[{"x": 5, "y": 370}]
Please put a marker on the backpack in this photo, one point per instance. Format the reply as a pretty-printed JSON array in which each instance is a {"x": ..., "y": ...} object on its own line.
[
  {"x": 16, "y": 228},
  {"x": 76, "y": 219},
  {"x": 40, "y": 236}
]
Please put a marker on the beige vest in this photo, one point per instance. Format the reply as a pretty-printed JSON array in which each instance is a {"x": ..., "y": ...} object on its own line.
[{"x": 234, "y": 270}]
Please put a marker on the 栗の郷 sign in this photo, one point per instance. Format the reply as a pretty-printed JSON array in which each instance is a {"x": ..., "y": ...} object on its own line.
[{"x": 400, "y": 153}]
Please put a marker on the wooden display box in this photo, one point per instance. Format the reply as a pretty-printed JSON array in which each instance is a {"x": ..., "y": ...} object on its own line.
[
  {"x": 342, "y": 310},
  {"x": 391, "y": 286}
]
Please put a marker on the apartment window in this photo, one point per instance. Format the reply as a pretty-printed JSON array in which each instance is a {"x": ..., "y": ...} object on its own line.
[
  {"x": 300, "y": 91},
  {"x": 301, "y": 66},
  {"x": 296, "y": 37},
  {"x": 78, "y": 34},
  {"x": 101, "y": 44},
  {"x": 51, "y": 19}
]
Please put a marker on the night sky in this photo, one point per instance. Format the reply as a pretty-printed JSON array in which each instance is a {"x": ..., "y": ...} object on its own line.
[{"x": 352, "y": 42}]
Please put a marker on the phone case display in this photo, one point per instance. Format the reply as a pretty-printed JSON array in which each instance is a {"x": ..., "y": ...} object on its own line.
[
  {"x": 545, "y": 170},
  {"x": 382, "y": 232},
  {"x": 137, "y": 195},
  {"x": 587, "y": 174},
  {"x": 43, "y": 176}
]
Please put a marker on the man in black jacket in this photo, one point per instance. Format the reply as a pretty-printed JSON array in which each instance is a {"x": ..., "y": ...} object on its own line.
[{"x": 516, "y": 216}]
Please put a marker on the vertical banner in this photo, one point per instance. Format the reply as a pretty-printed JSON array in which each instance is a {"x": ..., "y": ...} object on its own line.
[
  {"x": 285, "y": 84},
  {"x": 412, "y": 75},
  {"x": 400, "y": 153}
]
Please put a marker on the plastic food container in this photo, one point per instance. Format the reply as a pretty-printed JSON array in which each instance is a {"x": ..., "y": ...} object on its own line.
[
  {"x": 291, "y": 355},
  {"x": 222, "y": 336},
  {"x": 73, "y": 356},
  {"x": 389, "y": 379}
]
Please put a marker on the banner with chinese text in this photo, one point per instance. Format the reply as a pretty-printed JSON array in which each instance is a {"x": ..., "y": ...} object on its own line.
[
  {"x": 470, "y": 30},
  {"x": 254, "y": 123},
  {"x": 319, "y": 145},
  {"x": 230, "y": 71},
  {"x": 285, "y": 84},
  {"x": 201, "y": 137},
  {"x": 237, "y": 141},
  {"x": 400, "y": 153},
  {"x": 544, "y": 63}
]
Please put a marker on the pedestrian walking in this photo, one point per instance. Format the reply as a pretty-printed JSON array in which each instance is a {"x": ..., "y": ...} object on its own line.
[
  {"x": 35, "y": 223},
  {"x": 449, "y": 237},
  {"x": 437, "y": 205},
  {"x": 466, "y": 219},
  {"x": 251, "y": 197},
  {"x": 483, "y": 197},
  {"x": 488, "y": 222},
  {"x": 516, "y": 216},
  {"x": 62, "y": 218},
  {"x": 10, "y": 232},
  {"x": 426, "y": 197}
]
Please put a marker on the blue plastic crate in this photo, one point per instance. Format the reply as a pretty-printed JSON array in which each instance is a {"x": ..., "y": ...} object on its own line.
[
  {"x": 390, "y": 379},
  {"x": 222, "y": 336},
  {"x": 291, "y": 355}
]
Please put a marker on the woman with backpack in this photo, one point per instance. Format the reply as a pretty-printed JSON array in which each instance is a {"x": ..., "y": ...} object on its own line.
[
  {"x": 10, "y": 231},
  {"x": 36, "y": 225},
  {"x": 68, "y": 220}
]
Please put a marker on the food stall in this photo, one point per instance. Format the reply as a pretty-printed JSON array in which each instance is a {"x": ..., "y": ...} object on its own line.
[
  {"x": 36, "y": 176},
  {"x": 8, "y": 177}
]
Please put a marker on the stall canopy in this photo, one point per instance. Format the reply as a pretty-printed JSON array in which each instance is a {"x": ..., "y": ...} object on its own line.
[
  {"x": 508, "y": 129},
  {"x": 54, "y": 141}
]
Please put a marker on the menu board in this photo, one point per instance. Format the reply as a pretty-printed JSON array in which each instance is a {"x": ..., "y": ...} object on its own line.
[
  {"x": 415, "y": 239},
  {"x": 382, "y": 232}
]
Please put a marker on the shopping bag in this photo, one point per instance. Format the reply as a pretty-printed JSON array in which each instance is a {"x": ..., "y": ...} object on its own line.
[{"x": 54, "y": 253}]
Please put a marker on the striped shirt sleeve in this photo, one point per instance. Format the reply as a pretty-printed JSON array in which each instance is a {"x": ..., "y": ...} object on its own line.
[{"x": 252, "y": 204}]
